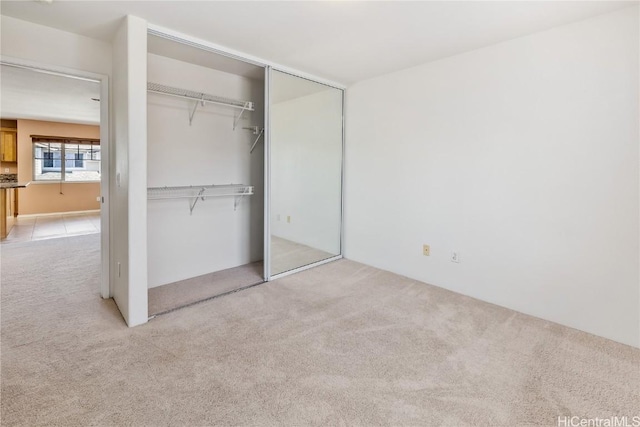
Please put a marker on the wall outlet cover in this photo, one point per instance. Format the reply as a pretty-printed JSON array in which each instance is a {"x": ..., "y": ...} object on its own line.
[{"x": 426, "y": 250}]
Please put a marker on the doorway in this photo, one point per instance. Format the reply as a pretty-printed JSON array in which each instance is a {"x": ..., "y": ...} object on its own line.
[{"x": 56, "y": 159}]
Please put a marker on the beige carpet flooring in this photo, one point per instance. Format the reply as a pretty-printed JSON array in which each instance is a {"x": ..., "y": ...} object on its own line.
[
  {"x": 340, "y": 344},
  {"x": 288, "y": 255},
  {"x": 179, "y": 294}
]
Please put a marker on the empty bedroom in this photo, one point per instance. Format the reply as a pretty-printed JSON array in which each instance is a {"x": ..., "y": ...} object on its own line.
[{"x": 353, "y": 213}]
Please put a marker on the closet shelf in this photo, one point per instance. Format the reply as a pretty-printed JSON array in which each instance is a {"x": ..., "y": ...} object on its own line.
[
  {"x": 201, "y": 192},
  {"x": 202, "y": 98}
]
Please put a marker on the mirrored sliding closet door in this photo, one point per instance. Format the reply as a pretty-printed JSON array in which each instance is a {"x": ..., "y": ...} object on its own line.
[{"x": 305, "y": 167}]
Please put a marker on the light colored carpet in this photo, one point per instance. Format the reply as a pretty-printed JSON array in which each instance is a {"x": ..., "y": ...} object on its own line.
[
  {"x": 288, "y": 255},
  {"x": 178, "y": 294},
  {"x": 340, "y": 344}
]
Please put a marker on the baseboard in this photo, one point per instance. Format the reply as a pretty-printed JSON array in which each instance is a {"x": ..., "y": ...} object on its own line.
[{"x": 57, "y": 213}]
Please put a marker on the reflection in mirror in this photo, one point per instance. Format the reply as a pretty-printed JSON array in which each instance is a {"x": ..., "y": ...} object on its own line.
[{"x": 306, "y": 172}]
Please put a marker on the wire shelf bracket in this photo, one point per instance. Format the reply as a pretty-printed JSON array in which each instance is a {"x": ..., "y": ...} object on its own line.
[
  {"x": 202, "y": 99},
  {"x": 193, "y": 111},
  {"x": 256, "y": 131},
  {"x": 201, "y": 192},
  {"x": 193, "y": 204},
  {"x": 237, "y": 119}
]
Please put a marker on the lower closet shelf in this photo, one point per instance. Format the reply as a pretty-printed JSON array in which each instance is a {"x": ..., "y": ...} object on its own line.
[{"x": 201, "y": 192}]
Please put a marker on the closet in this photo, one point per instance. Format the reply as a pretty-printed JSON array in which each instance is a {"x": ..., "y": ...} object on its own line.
[{"x": 244, "y": 173}]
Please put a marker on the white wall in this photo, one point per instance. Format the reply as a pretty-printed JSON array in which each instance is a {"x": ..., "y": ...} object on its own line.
[
  {"x": 214, "y": 237},
  {"x": 522, "y": 156},
  {"x": 45, "y": 45},
  {"x": 129, "y": 180},
  {"x": 306, "y": 169}
]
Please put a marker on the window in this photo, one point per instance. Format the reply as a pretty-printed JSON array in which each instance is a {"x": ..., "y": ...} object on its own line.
[
  {"x": 79, "y": 163},
  {"x": 65, "y": 159},
  {"x": 48, "y": 159}
]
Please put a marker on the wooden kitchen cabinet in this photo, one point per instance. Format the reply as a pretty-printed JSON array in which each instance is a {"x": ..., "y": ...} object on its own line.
[
  {"x": 9, "y": 145},
  {"x": 7, "y": 204}
]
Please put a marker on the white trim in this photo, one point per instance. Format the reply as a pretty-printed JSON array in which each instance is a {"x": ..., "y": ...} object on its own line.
[
  {"x": 164, "y": 32},
  {"x": 106, "y": 287},
  {"x": 58, "y": 213},
  {"x": 305, "y": 267},
  {"x": 267, "y": 175},
  {"x": 342, "y": 171}
]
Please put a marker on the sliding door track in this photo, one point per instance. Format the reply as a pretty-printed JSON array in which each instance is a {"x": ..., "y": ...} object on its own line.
[{"x": 233, "y": 291}]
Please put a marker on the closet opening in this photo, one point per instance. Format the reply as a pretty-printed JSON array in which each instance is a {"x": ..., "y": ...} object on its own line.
[{"x": 205, "y": 174}]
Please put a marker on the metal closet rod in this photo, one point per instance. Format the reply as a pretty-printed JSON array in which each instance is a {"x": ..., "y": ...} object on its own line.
[{"x": 199, "y": 96}]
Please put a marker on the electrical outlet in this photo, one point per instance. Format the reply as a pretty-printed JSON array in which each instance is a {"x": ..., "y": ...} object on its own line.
[
  {"x": 426, "y": 250},
  {"x": 6, "y": 170},
  {"x": 455, "y": 256},
  {"x": 288, "y": 218}
]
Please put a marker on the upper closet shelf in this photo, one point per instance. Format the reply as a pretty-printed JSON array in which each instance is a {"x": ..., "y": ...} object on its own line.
[{"x": 201, "y": 98}]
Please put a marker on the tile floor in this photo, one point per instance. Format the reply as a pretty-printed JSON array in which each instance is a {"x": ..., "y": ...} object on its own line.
[{"x": 52, "y": 226}]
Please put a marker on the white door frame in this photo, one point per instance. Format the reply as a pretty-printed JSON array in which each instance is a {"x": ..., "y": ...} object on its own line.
[{"x": 105, "y": 282}]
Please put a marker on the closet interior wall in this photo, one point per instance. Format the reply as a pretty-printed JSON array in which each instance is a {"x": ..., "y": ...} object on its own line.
[{"x": 214, "y": 236}]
